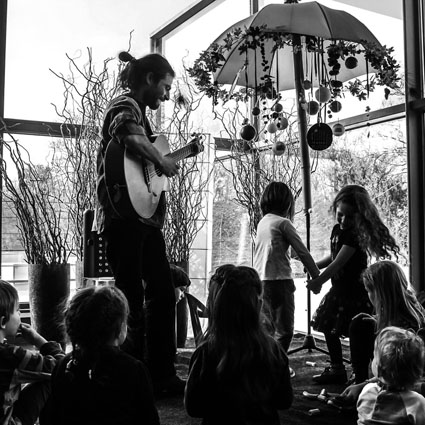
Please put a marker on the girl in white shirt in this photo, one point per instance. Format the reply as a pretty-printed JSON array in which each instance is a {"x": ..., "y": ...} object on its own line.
[{"x": 272, "y": 259}]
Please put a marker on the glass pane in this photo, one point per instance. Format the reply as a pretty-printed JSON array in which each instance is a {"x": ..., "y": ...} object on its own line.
[{"x": 41, "y": 33}]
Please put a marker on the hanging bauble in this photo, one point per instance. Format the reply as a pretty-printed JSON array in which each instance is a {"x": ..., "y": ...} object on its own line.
[
  {"x": 335, "y": 106},
  {"x": 312, "y": 107},
  {"x": 283, "y": 123},
  {"x": 307, "y": 84},
  {"x": 256, "y": 111},
  {"x": 272, "y": 128},
  {"x": 319, "y": 136},
  {"x": 351, "y": 62},
  {"x": 278, "y": 148},
  {"x": 322, "y": 94},
  {"x": 278, "y": 107},
  {"x": 248, "y": 132},
  {"x": 275, "y": 115},
  {"x": 338, "y": 129}
]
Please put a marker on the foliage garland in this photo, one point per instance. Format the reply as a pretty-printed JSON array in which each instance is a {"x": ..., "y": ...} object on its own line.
[{"x": 380, "y": 58}]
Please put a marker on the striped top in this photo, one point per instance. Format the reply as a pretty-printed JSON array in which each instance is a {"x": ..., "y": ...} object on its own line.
[{"x": 20, "y": 366}]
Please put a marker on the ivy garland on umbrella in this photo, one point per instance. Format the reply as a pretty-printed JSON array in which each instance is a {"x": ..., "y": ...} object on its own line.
[
  {"x": 210, "y": 60},
  {"x": 336, "y": 53}
]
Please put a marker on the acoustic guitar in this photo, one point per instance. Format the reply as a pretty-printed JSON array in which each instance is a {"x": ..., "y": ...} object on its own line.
[{"x": 134, "y": 186}]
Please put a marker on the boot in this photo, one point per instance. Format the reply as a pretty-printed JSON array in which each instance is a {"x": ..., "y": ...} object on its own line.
[{"x": 333, "y": 374}]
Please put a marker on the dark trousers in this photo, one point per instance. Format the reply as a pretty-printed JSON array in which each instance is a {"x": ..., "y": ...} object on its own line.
[
  {"x": 136, "y": 254},
  {"x": 279, "y": 308},
  {"x": 362, "y": 340}
]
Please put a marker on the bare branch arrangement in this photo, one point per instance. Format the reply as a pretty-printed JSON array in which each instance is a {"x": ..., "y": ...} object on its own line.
[
  {"x": 186, "y": 198},
  {"x": 86, "y": 94},
  {"x": 252, "y": 166},
  {"x": 35, "y": 197}
]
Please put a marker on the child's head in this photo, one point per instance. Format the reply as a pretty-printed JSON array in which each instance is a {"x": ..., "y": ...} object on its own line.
[
  {"x": 354, "y": 208},
  {"x": 277, "y": 198},
  {"x": 398, "y": 357},
  {"x": 9, "y": 309},
  {"x": 181, "y": 281},
  {"x": 347, "y": 203},
  {"x": 391, "y": 295},
  {"x": 215, "y": 285},
  {"x": 97, "y": 316},
  {"x": 235, "y": 308}
]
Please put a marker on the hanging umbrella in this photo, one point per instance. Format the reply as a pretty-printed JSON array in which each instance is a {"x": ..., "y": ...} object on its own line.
[
  {"x": 308, "y": 19},
  {"x": 282, "y": 45}
]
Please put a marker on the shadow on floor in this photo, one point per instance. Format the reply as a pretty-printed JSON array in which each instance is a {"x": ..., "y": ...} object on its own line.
[{"x": 172, "y": 412}]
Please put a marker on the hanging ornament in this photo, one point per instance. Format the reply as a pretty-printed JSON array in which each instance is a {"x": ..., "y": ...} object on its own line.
[
  {"x": 307, "y": 84},
  {"x": 319, "y": 136},
  {"x": 256, "y": 111},
  {"x": 335, "y": 106},
  {"x": 248, "y": 132},
  {"x": 312, "y": 107},
  {"x": 278, "y": 107},
  {"x": 272, "y": 128},
  {"x": 351, "y": 62},
  {"x": 322, "y": 94},
  {"x": 338, "y": 129},
  {"x": 283, "y": 123},
  {"x": 278, "y": 148}
]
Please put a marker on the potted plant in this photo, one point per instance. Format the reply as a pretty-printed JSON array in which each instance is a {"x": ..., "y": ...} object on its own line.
[
  {"x": 86, "y": 92},
  {"x": 35, "y": 200}
]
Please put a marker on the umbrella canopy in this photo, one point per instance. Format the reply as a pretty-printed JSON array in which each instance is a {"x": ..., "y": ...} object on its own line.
[
  {"x": 311, "y": 19},
  {"x": 278, "y": 47}
]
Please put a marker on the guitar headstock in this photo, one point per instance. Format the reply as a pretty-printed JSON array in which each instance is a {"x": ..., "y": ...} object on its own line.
[{"x": 196, "y": 144}]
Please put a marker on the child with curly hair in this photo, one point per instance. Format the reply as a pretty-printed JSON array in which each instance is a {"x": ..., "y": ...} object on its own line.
[
  {"x": 97, "y": 383},
  {"x": 358, "y": 234}
]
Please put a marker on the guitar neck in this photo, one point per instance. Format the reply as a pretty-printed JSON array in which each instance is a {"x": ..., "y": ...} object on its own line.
[{"x": 181, "y": 153}]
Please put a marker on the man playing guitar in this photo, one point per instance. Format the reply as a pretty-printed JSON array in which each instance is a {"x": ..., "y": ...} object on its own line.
[{"x": 135, "y": 245}]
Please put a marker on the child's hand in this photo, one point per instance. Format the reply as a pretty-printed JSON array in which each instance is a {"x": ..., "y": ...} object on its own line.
[
  {"x": 314, "y": 286},
  {"x": 31, "y": 335}
]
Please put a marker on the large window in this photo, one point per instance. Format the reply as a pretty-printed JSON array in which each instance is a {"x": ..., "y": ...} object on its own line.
[{"x": 107, "y": 27}]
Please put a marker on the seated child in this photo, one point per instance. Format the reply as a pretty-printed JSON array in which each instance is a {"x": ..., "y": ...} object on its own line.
[
  {"x": 397, "y": 366},
  {"x": 181, "y": 281},
  {"x": 21, "y": 366},
  {"x": 239, "y": 374},
  {"x": 97, "y": 383}
]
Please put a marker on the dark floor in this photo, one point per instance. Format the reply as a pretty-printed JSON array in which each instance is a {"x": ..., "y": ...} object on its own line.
[{"x": 172, "y": 412}]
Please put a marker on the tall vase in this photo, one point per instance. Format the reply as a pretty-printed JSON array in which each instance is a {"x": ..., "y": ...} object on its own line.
[{"x": 49, "y": 288}]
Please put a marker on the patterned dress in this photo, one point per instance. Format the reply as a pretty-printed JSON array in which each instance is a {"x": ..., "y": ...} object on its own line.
[{"x": 347, "y": 296}]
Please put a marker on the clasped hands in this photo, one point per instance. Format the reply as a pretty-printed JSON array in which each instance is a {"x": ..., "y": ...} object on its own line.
[{"x": 315, "y": 285}]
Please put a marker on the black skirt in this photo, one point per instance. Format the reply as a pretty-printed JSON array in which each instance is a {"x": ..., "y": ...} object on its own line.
[{"x": 338, "y": 307}]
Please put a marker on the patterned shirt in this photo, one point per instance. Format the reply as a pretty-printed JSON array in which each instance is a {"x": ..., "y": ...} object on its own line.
[
  {"x": 123, "y": 116},
  {"x": 377, "y": 406},
  {"x": 20, "y": 366}
]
